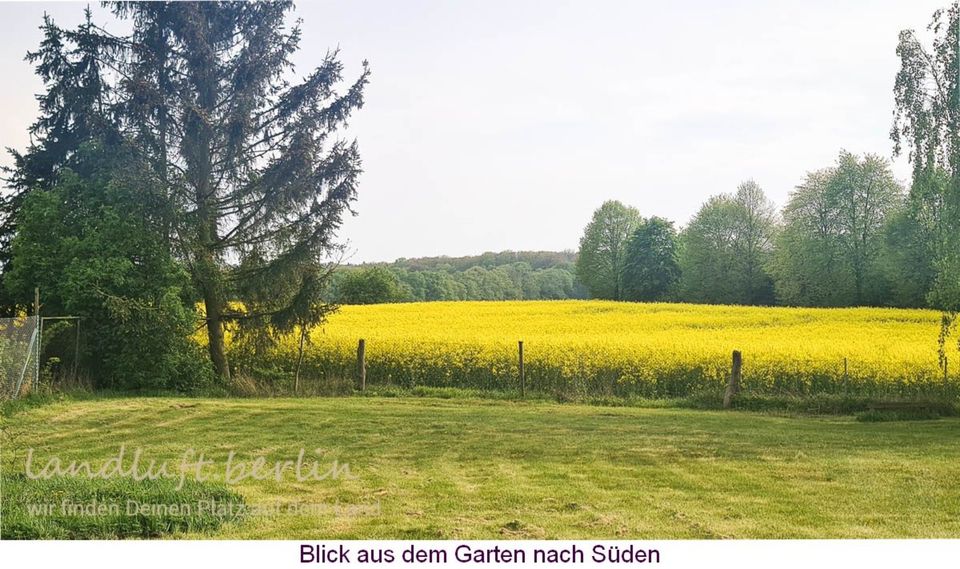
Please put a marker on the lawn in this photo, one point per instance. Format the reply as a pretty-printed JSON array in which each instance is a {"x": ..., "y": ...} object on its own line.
[{"x": 465, "y": 468}]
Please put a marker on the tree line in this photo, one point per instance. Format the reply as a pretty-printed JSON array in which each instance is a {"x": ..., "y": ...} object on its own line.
[
  {"x": 508, "y": 275},
  {"x": 849, "y": 235}
]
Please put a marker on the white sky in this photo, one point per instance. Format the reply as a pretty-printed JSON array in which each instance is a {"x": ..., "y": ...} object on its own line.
[{"x": 493, "y": 125}]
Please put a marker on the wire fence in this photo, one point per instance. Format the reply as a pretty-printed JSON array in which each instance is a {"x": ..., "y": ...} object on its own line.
[{"x": 19, "y": 354}]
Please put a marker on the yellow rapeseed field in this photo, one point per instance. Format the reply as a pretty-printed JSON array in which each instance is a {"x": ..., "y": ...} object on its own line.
[{"x": 652, "y": 350}]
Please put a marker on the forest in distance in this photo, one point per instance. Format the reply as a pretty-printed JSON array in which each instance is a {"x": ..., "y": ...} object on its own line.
[{"x": 850, "y": 234}]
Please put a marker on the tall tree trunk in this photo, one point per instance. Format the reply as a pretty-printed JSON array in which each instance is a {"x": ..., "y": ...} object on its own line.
[
  {"x": 215, "y": 340},
  {"x": 199, "y": 152},
  {"x": 211, "y": 286},
  {"x": 303, "y": 336}
]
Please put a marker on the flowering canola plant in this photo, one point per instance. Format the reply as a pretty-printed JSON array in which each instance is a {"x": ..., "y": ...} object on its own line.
[{"x": 615, "y": 348}]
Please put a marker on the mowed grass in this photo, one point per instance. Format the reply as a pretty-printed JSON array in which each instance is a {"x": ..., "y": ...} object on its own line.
[{"x": 435, "y": 468}]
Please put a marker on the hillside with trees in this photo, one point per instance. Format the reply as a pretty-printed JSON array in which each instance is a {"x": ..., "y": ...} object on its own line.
[{"x": 507, "y": 275}]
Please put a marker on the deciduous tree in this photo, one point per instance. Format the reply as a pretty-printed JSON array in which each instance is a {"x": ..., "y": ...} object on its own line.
[
  {"x": 829, "y": 253},
  {"x": 652, "y": 270},
  {"x": 603, "y": 249},
  {"x": 92, "y": 245},
  {"x": 927, "y": 122},
  {"x": 726, "y": 248}
]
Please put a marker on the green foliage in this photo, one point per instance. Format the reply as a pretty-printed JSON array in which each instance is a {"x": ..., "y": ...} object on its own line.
[
  {"x": 917, "y": 239},
  {"x": 726, "y": 248},
  {"x": 806, "y": 263},
  {"x": 93, "y": 246},
  {"x": 603, "y": 249},
  {"x": 372, "y": 285},
  {"x": 838, "y": 224},
  {"x": 489, "y": 285},
  {"x": 429, "y": 284},
  {"x": 927, "y": 97},
  {"x": 489, "y": 260},
  {"x": 71, "y": 114},
  {"x": 558, "y": 284},
  {"x": 652, "y": 270},
  {"x": 507, "y": 275},
  {"x": 860, "y": 195}
]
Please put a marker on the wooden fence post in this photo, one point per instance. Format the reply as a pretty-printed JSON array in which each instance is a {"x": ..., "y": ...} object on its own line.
[
  {"x": 36, "y": 312},
  {"x": 734, "y": 386},
  {"x": 523, "y": 378},
  {"x": 362, "y": 364},
  {"x": 296, "y": 375},
  {"x": 76, "y": 350}
]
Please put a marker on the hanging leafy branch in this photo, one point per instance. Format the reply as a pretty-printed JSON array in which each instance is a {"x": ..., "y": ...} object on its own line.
[{"x": 927, "y": 121}]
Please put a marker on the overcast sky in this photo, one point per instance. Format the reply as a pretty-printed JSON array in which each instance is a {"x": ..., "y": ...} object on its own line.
[{"x": 494, "y": 125}]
